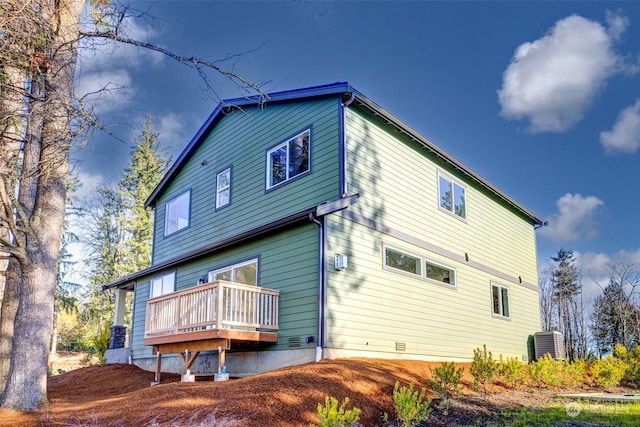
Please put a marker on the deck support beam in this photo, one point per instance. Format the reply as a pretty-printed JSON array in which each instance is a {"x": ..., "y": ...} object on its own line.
[{"x": 188, "y": 352}]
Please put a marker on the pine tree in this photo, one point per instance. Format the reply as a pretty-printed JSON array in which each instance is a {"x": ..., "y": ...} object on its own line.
[
  {"x": 146, "y": 168},
  {"x": 566, "y": 289}
]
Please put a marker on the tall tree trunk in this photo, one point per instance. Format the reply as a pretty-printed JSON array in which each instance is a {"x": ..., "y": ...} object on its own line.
[{"x": 26, "y": 384}]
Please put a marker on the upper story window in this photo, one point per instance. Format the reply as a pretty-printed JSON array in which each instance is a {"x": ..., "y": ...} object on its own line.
[
  {"x": 500, "y": 300},
  {"x": 289, "y": 159},
  {"x": 401, "y": 261},
  {"x": 244, "y": 272},
  {"x": 162, "y": 285},
  {"x": 177, "y": 213},
  {"x": 223, "y": 188},
  {"x": 452, "y": 196}
]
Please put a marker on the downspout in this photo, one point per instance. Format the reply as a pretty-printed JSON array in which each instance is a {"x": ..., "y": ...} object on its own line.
[
  {"x": 322, "y": 283},
  {"x": 343, "y": 144}
]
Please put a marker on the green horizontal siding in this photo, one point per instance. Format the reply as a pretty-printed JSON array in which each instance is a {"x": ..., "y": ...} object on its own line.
[
  {"x": 241, "y": 139},
  {"x": 371, "y": 308},
  {"x": 397, "y": 180},
  {"x": 288, "y": 262}
]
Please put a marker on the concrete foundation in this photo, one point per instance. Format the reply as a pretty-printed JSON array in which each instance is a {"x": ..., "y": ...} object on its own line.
[
  {"x": 118, "y": 355},
  {"x": 239, "y": 364}
]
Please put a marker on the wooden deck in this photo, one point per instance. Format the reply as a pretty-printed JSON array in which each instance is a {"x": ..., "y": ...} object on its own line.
[
  {"x": 209, "y": 317},
  {"x": 216, "y": 310}
]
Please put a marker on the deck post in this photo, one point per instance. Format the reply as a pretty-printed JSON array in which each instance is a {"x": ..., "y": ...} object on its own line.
[
  {"x": 156, "y": 379},
  {"x": 222, "y": 374}
]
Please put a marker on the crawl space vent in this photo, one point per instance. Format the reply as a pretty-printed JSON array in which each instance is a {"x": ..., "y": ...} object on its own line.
[
  {"x": 401, "y": 346},
  {"x": 294, "y": 342}
]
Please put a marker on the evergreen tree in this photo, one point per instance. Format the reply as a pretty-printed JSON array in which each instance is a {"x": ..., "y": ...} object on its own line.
[
  {"x": 566, "y": 289},
  {"x": 615, "y": 313},
  {"x": 147, "y": 166}
]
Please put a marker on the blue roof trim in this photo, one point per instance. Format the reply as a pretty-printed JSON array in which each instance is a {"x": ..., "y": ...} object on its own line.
[{"x": 218, "y": 113}]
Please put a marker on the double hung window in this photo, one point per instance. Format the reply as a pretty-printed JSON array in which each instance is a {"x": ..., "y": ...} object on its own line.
[
  {"x": 500, "y": 300},
  {"x": 289, "y": 159},
  {"x": 223, "y": 188},
  {"x": 452, "y": 196},
  {"x": 177, "y": 213}
]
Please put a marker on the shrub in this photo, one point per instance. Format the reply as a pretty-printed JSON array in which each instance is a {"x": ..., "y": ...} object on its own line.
[
  {"x": 410, "y": 405},
  {"x": 483, "y": 368},
  {"x": 446, "y": 380},
  {"x": 511, "y": 370},
  {"x": 607, "y": 372},
  {"x": 101, "y": 343},
  {"x": 575, "y": 372},
  {"x": 333, "y": 416},
  {"x": 545, "y": 372},
  {"x": 632, "y": 359}
]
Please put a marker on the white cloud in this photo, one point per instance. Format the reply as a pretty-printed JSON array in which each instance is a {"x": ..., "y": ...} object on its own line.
[
  {"x": 574, "y": 220},
  {"x": 107, "y": 90},
  {"x": 552, "y": 81},
  {"x": 172, "y": 130},
  {"x": 624, "y": 137},
  {"x": 105, "y": 67}
]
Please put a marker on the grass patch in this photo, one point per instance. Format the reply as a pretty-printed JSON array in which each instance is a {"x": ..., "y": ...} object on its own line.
[{"x": 606, "y": 413}]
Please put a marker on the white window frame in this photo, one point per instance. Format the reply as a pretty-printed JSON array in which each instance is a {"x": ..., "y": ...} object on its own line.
[
  {"x": 418, "y": 258},
  {"x": 452, "y": 273},
  {"x": 173, "y": 225},
  {"x": 221, "y": 189},
  {"x": 234, "y": 268},
  {"x": 452, "y": 187},
  {"x": 286, "y": 144},
  {"x": 422, "y": 274},
  {"x": 162, "y": 285},
  {"x": 501, "y": 312}
]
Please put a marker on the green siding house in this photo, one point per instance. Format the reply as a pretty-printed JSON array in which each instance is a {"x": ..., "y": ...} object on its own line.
[{"x": 318, "y": 225}]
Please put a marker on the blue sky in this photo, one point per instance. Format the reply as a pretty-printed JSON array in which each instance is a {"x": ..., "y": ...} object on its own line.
[{"x": 540, "y": 98}]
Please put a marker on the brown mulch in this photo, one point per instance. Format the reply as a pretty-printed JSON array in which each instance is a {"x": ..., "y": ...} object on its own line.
[{"x": 120, "y": 395}]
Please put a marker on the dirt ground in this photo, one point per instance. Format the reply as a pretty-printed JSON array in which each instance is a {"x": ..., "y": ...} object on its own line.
[{"x": 120, "y": 395}]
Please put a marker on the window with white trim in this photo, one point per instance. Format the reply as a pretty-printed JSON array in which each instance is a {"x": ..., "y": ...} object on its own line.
[
  {"x": 289, "y": 159},
  {"x": 177, "y": 213},
  {"x": 245, "y": 272},
  {"x": 401, "y": 261},
  {"x": 500, "y": 300},
  {"x": 452, "y": 196},
  {"x": 223, "y": 188},
  {"x": 162, "y": 285}
]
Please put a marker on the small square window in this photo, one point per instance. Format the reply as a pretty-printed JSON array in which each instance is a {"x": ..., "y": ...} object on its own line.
[
  {"x": 177, "y": 213},
  {"x": 500, "y": 300},
  {"x": 289, "y": 159},
  {"x": 223, "y": 188},
  {"x": 452, "y": 196},
  {"x": 162, "y": 285}
]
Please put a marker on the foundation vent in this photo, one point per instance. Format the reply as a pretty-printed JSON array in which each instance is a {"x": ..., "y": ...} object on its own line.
[
  {"x": 294, "y": 342},
  {"x": 401, "y": 346}
]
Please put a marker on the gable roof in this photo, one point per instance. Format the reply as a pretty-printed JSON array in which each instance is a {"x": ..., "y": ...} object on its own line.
[{"x": 349, "y": 95}]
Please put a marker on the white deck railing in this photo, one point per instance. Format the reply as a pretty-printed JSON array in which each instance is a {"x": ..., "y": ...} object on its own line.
[{"x": 215, "y": 305}]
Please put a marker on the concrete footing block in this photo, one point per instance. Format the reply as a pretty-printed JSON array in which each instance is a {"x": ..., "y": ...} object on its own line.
[
  {"x": 188, "y": 378},
  {"x": 221, "y": 377}
]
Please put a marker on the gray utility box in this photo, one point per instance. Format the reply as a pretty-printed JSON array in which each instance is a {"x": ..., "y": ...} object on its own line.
[{"x": 549, "y": 342}]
